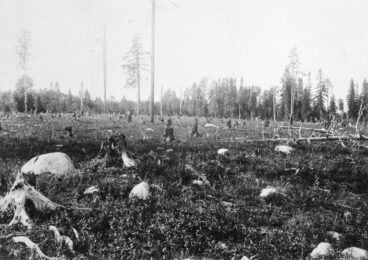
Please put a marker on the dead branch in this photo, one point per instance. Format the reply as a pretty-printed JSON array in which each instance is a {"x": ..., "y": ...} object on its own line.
[
  {"x": 15, "y": 234},
  {"x": 33, "y": 246},
  {"x": 361, "y": 109}
]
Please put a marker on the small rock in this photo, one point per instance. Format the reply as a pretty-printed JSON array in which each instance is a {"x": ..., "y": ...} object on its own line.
[
  {"x": 355, "y": 253},
  {"x": 268, "y": 192},
  {"x": 244, "y": 258},
  {"x": 198, "y": 182},
  {"x": 284, "y": 149},
  {"x": 223, "y": 151},
  {"x": 322, "y": 251},
  {"x": 140, "y": 191},
  {"x": 334, "y": 235}
]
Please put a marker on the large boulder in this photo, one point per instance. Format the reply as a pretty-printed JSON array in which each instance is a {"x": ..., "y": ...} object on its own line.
[
  {"x": 355, "y": 253},
  {"x": 55, "y": 163},
  {"x": 323, "y": 251}
]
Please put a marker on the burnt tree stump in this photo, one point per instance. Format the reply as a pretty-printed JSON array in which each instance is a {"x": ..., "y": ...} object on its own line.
[
  {"x": 169, "y": 134},
  {"x": 194, "y": 132},
  {"x": 228, "y": 124}
]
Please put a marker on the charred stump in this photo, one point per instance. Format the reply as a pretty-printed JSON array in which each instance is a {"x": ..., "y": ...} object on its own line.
[
  {"x": 169, "y": 134},
  {"x": 69, "y": 130},
  {"x": 129, "y": 118},
  {"x": 194, "y": 132},
  {"x": 228, "y": 124}
]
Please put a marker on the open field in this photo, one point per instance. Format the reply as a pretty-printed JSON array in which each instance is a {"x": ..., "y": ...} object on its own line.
[{"x": 324, "y": 188}]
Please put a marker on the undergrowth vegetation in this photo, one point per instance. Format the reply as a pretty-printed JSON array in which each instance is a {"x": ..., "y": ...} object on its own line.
[{"x": 320, "y": 182}]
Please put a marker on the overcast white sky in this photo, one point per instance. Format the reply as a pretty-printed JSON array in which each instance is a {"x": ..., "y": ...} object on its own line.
[{"x": 195, "y": 38}]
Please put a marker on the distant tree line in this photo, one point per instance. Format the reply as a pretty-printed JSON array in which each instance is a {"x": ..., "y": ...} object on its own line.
[
  {"x": 220, "y": 98},
  {"x": 296, "y": 97}
]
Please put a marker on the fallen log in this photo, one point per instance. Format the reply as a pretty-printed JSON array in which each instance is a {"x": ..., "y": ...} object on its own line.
[
  {"x": 307, "y": 139},
  {"x": 307, "y": 129}
]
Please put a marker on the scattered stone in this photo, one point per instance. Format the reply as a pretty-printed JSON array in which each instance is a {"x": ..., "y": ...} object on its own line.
[
  {"x": 334, "y": 235},
  {"x": 140, "y": 191},
  {"x": 198, "y": 182},
  {"x": 223, "y": 151},
  {"x": 284, "y": 149},
  {"x": 355, "y": 253},
  {"x": 56, "y": 163},
  {"x": 322, "y": 251},
  {"x": 91, "y": 190},
  {"x": 268, "y": 191}
]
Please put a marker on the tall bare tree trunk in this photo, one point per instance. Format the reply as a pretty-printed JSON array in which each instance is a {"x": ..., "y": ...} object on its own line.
[
  {"x": 138, "y": 83},
  {"x": 181, "y": 100},
  {"x": 25, "y": 93},
  {"x": 152, "y": 100},
  {"x": 161, "y": 112},
  {"x": 104, "y": 67},
  {"x": 81, "y": 97},
  {"x": 274, "y": 107}
]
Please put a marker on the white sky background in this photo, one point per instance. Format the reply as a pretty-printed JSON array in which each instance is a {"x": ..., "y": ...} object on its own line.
[{"x": 194, "y": 39}]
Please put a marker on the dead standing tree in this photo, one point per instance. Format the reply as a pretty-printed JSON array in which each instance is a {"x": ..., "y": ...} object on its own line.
[
  {"x": 133, "y": 66},
  {"x": 23, "y": 53},
  {"x": 361, "y": 109}
]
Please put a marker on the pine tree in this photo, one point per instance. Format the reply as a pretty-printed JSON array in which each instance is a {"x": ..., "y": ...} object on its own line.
[
  {"x": 321, "y": 94},
  {"x": 352, "y": 101},
  {"x": 286, "y": 93},
  {"x": 332, "y": 107},
  {"x": 307, "y": 99},
  {"x": 39, "y": 105},
  {"x": 133, "y": 68},
  {"x": 364, "y": 96}
]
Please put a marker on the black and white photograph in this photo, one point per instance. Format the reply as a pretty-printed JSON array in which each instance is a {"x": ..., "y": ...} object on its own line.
[{"x": 184, "y": 129}]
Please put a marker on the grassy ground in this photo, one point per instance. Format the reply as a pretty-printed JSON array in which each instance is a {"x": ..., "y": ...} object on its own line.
[{"x": 321, "y": 183}]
